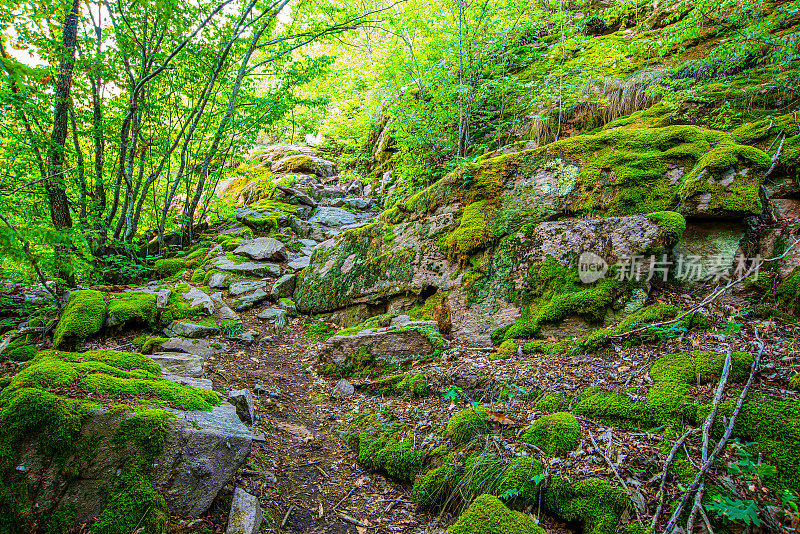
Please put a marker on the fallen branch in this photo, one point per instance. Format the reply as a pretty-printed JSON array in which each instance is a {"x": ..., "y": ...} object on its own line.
[
  {"x": 700, "y": 478},
  {"x": 667, "y": 462},
  {"x": 619, "y": 478},
  {"x": 776, "y": 158},
  {"x": 19, "y": 333},
  {"x": 349, "y": 519}
]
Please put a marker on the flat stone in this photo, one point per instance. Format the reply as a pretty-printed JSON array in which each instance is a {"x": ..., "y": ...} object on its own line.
[
  {"x": 389, "y": 345},
  {"x": 240, "y": 288},
  {"x": 198, "y": 347},
  {"x": 358, "y": 202},
  {"x": 252, "y": 268},
  {"x": 245, "y": 302},
  {"x": 223, "y": 313},
  {"x": 283, "y": 287},
  {"x": 245, "y": 408},
  {"x": 316, "y": 232},
  {"x": 202, "y": 383},
  {"x": 400, "y": 320},
  {"x": 299, "y": 263},
  {"x": 192, "y": 330},
  {"x": 263, "y": 248},
  {"x": 343, "y": 389},
  {"x": 274, "y": 315},
  {"x": 219, "y": 280},
  {"x": 248, "y": 337},
  {"x": 180, "y": 364},
  {"x": 332, "y": 217},
  {"x": 195, "y": 297},
  {"x": 308, "y": 243},
  {"x": 299, "y": 196},
  {"x": 245, "y": 516}
]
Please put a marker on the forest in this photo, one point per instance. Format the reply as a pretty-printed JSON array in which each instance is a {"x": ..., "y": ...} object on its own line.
[{"x": 399, "y": 266}]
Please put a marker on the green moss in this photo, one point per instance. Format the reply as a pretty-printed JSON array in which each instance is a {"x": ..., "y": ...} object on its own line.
[
  {"x": 424, "y": 312},
  {"x": 553, "y": 402},
  {"x": 788, "y": 292},
  {"x": 506, "y": 349},
  {"x": 151, "y": 343},
  {"x": 671, "y": 225},
  {"x": 488, "y": 515},
  {"x": 436, "y": 485},
  {"x": 794, "y": 382},
  {"x": 699, "y": 367},
  {"x": 667, "y": 404},
  {"x": 21, "y": 353},
  {"x": 774, "y": 425},
  {"x": 382, "y": 448},
  {"x": 82, "y": 317},
  {"x": 198, "y": 275},
  {"x": 591, "y": 501},
  {"x": 169, "y": 266},
  {"x": 556, "y": 434},
  {"x": 407, "y": 385},
  {"x": 473, "y": 232},
  {"x": 467, "y": 424},
  {"x": 178, "y": 307},
  {"x": 133, "y": 308}
]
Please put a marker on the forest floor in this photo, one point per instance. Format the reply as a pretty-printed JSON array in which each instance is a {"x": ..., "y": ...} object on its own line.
[{"x": 307, "y": 476}]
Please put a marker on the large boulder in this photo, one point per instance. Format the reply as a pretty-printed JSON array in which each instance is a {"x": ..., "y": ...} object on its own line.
[
  {"x": 263, "y": 248},
  {"x": 304, "y": 164}
]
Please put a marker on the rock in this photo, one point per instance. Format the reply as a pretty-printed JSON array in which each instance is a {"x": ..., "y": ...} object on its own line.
[
  {"x": 263, "y": 248},
  {"x": 283, "y": 287},
  {"x": 332, "y": 217},
  {"x": 192, "y": 330},
  {"x": 195, "y": 297},
  {"x": 358, "y": 202},
  {"x": 301, "y": 163},
  {"x": 248, "y": 337},
  {"x": 201, "y": 453},
  {"x": 308, "y": 243},
  {"x": 180, "y": 364},
  {"x": 198, "y": 347},
  {"x": 223, "y": 313},
  {"x": 243, "y": 400},
  {"x": 250, "y": 268},
  {"x": 272, "y": 315},
  {"x": 288, "y": 306},
  {"x": 296, "y": 195},
  {"x": 706, "y": 246},
  {"x": 355, "y": 188},
  {"x": 389, "y": 345},
  {"x": 316, "y": 232},
  {"x": 239, "y": 288},
  {"x": 299, "y": 263},
  {"x": 343, "y": 389},
  {"x": 219, "y": 280},
  {"x": 203, "y": 383},
  {"x": 245, "y": 516},
  {"x": 245, "y": 302},
  {"x": 400, "y": 320},
  {"x": 162, "y": 297}
]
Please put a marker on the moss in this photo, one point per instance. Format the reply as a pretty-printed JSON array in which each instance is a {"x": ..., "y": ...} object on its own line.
[
  {"x": 794, "y": 382},
  {"x": 556, "y": 434},
  {"x": 21, "y": 353},
  {"x": 667, "y": 404},
  {"x": 553, "y": 402},
  {"x": 82, "y": 317},
  {"x": 169, "y": 266},
  {"x": 506, "y": 349},
  {"x": 467, "y": 424},
  {"x": 425, "y": 311},
  {"x": 671, "y": 225},
  {"x": 435, "y": 486},
  {"x": 699, "y": 367},
  {"x": 151, "y": 343},
  {"x": 407, "y": 385},
  {"x": 473, "y": 232},
  {"x": 488, "y": 515},
  {"x": 133, "y": 308},
  {"x": 178, "y": 307},
  {"x": 198, "y": 275},
  {"x": 774, "y": 425},
  {"x": 592, "y": 501},
  {"x": 788, "y": 292},
  {"x": 381, "y": 448}
]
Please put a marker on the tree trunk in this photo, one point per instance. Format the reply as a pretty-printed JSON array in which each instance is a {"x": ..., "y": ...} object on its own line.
[{"x": 55, "y": 183}]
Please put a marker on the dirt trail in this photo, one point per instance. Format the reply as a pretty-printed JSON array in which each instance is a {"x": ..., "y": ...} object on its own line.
[{"x": 304, "y": 473}]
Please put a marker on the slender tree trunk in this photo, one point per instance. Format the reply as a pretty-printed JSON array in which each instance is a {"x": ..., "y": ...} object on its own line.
[
  {"x": 81, "y": 178},
  {"x": 55, "y": 183}
]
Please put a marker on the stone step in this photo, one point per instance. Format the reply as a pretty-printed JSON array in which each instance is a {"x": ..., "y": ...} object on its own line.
[{"x": 180, "y": 364}]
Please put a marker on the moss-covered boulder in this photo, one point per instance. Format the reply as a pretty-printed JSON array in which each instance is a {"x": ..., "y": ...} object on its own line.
[
  {"x": 386, "y": 446},
  {"x": 592, "y": 501},
  {"x": 467, "y": 424},
  {"x": 82, "y": 317},
  {"x": 488, "y": 515},
  {"x": 556, "y": 434},
  {"x": 700, "y": 367},
  {"x": 304, "y": 164},
  {"x": 131, "y": 309}
]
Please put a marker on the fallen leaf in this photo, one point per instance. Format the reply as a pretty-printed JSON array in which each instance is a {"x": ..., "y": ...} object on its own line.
[{"x": 500, "y": 417}]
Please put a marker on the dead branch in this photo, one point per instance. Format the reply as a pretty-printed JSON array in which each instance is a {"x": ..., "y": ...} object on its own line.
[
  {"x": 26, "y": 246},
  {"x": 670, "y": 458},
  {"x": 619, "y": 478}
]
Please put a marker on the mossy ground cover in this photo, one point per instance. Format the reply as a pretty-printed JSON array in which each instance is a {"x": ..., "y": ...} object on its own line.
[{"x": 82, "y": 317}]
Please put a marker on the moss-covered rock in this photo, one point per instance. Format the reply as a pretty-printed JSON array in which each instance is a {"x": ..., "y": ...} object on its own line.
[
  {"x": 134, "y": 308},
  {"x": 467, "y": 424},
  {"x": 667, "y": 404},
  {"x": 592, "y": 501},
  {"x": 382, "y": 447},
  {"x": 82, "y": 317},
  {"x": 556, "y": 434},
  {"x": 169, "y": 266},
  {"x": 488, "y": 515},
  {"x": 700, "y": 367}
]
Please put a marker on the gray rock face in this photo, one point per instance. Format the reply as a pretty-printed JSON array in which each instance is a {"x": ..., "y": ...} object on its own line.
[
  {"x": 180, "y": 364},
  {"x": 296, "y": 195},
  {"x": 219, "y": 280},
  {"x": 332, "y": 217},
  {"x": 223, "y": 313},
  {"x": 245, "y": 302},
  {"x": 245, "y": 516},
  {"x": 343, "y": 389},
  {"x": 251, "y": 268},
  {"x": 195, "y": 297},
  {"x": 386, "y": 344},
  {"x": 316, "y": 232},
  {"x": 283, "y": 287},
  {"x": 198, "y": 347},
  {"x": 240, "y": 288},
  {"x": 358, "y": 202},
  {"x": 288, "y": 306},
  {"x": 201, "y": 453},
  {"x": 300, "y": 263},
  {"x": 272, "y": 314},
  {"x": 263, "y": 248},
  {"x": 191, "y": 330},
  {"x": 243, "y": 400},
  {"x": 202, "y": 383}
]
